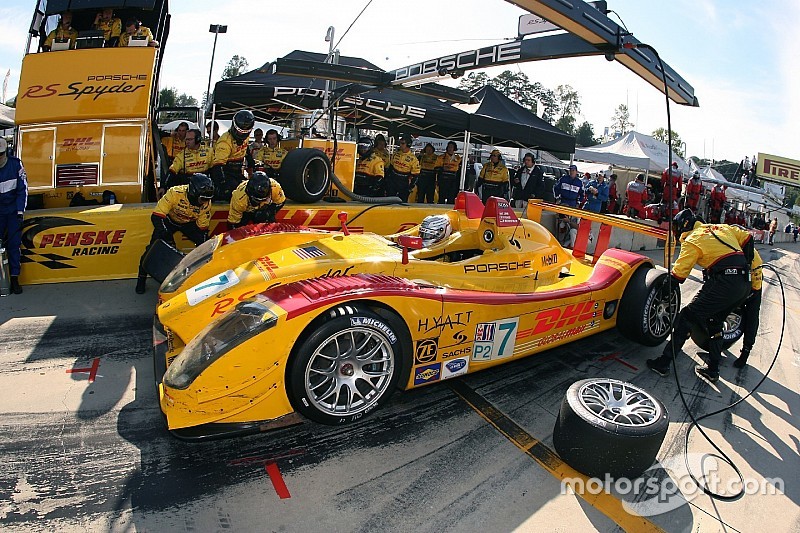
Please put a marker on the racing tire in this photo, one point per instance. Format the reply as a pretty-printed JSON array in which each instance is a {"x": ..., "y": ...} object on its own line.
[
  {"x": 607, "y": 426},
  {"x": 732, "y": 331},
  {"x": 332, "y": 383},
  {"x": 646, "y": 313},
  {"x": 306, "y": 175}
]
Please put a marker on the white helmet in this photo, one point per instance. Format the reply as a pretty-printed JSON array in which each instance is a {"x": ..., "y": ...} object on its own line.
[{"x": 434, "y": 228}]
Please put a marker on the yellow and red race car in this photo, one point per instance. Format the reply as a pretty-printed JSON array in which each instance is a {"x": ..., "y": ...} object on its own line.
[{"x": 269, "y": 322}]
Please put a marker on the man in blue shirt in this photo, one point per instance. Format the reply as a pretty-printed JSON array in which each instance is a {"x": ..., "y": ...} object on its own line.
[
  {"x": 569, "y": 189},
  {"x": 13, "y": 200}
]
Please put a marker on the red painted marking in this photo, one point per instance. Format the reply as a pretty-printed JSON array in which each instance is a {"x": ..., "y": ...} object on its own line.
[
  {"x": 92, "y": 370},
  {"x": 277, "y": 480},
  {"x": 613, "y": 357}
]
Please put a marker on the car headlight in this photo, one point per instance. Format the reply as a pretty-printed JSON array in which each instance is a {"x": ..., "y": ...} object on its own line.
[
  {"x": 189, "y": 265},
  {"x": 244, "y": 322}
]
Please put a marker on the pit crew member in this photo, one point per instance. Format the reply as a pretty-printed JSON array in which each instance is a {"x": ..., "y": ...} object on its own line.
[
  {"x": 449, "y": 167},
  {"x": 271, "y": 155},
  {"x": 404, "y": 170},
  {"x": 718, "y": 248},
  {"x": 196, "y": 158},
  {"x": 381, "y": 151},
  {"x": 494, "y": 180},
  {"x": 110, "y": 25},
  {"x": 63, "y": 31},
  {"x": 185, "y": 208},
  {"x": 229, "y": 153},
  {"x": 134, "y": 28},
  {"x": 636, "y": 193},
  {"x": 369, "y": 170},
  {"x": 426, "y": 185},
  {"x": 255, "y": 201},
  {"x": 13, "y": 201},
  {"x": 694, "y": 188}
]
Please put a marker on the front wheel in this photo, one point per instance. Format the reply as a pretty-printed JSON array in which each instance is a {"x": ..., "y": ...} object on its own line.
[
  {"x": 347, "y": 367},
  {"x": 648, "y": 307}
]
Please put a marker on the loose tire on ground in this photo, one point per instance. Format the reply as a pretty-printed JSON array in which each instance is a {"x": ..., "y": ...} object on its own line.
[
  {"x": 731, "y": 331},
  {"x": 305, "y": 175},
  {"x": 347, "y": 366},
  {"x": 646, "y": 313},
  {"x": 607, "y": 426}
]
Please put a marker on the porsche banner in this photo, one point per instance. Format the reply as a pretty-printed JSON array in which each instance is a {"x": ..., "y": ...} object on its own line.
[{"x": 780, "y": 169}]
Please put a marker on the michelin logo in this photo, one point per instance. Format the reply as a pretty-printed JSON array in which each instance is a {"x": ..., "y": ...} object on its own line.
[
  {"x": 373, "y": 323},
  {"x": 456, "y": 367}
]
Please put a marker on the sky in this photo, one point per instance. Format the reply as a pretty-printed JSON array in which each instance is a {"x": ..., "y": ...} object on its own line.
[{"x": 740, "y": 56}]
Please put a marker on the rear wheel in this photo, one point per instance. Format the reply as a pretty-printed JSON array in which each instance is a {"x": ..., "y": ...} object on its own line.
[
  {"x": 305, "y": 175},
  {"x": 648, "y": 307},
  {"x": 348, "y": 366},
  {"x": 731, "y": 331}
]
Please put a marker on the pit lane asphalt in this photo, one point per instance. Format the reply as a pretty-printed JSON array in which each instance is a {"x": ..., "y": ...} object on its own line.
[{"x": 94, "y": 456}]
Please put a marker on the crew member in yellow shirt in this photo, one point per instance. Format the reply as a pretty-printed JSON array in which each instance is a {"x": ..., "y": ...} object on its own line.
[
  {"x": 381, "y": 151},
  {"x": 134, "y": 28},
  {"x": 404, "y": 170},
  {"x": 449, "y": 165},
  {"x": 63, "y": 31},
  {"x": 369, "y": 170},
  {"x": 110, "y": 25},
  {"x": 271, "y": 155},
  {"x": 229, "y": 154},
  {"x": 196, "y": 158},
  {"x": 255, "y": 201},
  {"x": 493, "y": 180},
  {"x": 185, "y": 208},
  {"x": 426, "y": 185}
]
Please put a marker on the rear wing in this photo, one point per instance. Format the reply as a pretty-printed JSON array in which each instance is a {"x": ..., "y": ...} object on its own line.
[{"x": 535, "y": 209}]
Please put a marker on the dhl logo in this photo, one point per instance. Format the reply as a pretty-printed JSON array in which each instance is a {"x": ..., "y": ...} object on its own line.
[
  {"x": 560, "y": 317},
  {"x": 80, "y": 143}
]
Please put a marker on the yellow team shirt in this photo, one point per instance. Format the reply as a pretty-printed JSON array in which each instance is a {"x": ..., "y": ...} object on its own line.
[
  {"x": 371, "y": 167},
  {"x": 143, "y": 31},
  {"x": 449, "y": 163},
  {"x": 110, "y": 28},
  {"x": 700, "y": 247},
  {"x": 240, "y": 202},
  {"x": 60, "y": 33},
  {"x": 494, "y": 173},
  {"x": 226, "y": 150},
  {"x": 272, "y": 157},
  {"x": 405, "y": 163},
  {"x": 384, "y": 155},
  {"x": 173, "y": 146},
  {"x": 175, "y": 205},
  {"x": 428, "y": 161},
  {"x": 192, "y": 161}
]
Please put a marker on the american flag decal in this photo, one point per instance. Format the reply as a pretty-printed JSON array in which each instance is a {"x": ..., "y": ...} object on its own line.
[{"x": 309, "y": 252}]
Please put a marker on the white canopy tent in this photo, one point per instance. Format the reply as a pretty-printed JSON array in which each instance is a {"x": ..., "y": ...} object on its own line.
[{"x": 633, "y": 150}]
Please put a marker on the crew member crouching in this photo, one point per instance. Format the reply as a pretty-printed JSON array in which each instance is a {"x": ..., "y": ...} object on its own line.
[
  {"x": 229, "y": 153},
  {"x": 185, "y": 208},
  {"x": 255, "y": 201},
  {"x": 718, "y": 248}
]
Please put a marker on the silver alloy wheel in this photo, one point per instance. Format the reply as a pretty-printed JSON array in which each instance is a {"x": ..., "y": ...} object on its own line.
[
  {"x": 662, "y": 312},
  {"x": 619, "y": 402},
  {"x": 732, "y": 322},
  {"x": 350, "y": 371}
]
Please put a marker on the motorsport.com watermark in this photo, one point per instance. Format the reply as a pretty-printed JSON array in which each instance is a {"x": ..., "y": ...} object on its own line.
[{"x": 657, "y": 492}]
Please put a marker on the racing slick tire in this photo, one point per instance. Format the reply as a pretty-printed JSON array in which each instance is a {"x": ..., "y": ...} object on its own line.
[
  {"x": 607, "y": 426},
  {"x": 347, "y": 366},
  {"x": 306, "y": 175},
  {"x": 646, "y": 313},
  {"x": 732, "y": 331}
]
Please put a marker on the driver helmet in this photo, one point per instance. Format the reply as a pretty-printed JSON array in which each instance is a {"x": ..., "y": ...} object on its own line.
[
  {"x": 434, "y": 228},
  {"x": 201, "y": 189},
  {"x": 243, "y": 122},
  {"x": 365, "y": 146},
  {"x": 258, "y": 188}
]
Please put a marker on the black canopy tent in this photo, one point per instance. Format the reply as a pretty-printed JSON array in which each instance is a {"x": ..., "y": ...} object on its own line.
[{"x": 497, "y": 119}]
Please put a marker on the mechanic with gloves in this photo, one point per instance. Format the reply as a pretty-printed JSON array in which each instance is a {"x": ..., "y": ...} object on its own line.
[
  {"x": 369, "y": 170},
  {"x": 493, "y": 179},
  {"x": 403, "y": 170},
  {"x": 229, "y": 153},
  {"x": 195, "y": 158},
  {"x": 13, "y": 201},
  {"x": 725, "y": 253},
  {"x": 449, "y": 167},
  {"x": 185, "y": 208},
  {"x": 426, "y": 186},
  {"x": 255, "y": 201}
]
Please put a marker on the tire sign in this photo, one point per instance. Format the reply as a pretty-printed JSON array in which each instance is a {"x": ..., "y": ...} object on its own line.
[{"x": 495, "y": 340}]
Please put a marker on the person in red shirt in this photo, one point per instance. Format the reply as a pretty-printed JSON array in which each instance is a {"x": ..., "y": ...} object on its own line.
[
  {"x": 717, "y": 202},
  {"x": 613, "y": 200},
  {"x": 671, "y": 178},
  {"x": 694, "y": 188},
  {"x": 637, "y": 196}
]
